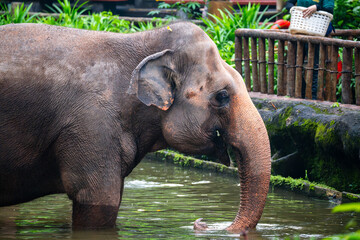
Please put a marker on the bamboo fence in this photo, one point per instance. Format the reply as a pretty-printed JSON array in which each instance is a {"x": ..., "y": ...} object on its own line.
[{"x": 292, "y": 70}]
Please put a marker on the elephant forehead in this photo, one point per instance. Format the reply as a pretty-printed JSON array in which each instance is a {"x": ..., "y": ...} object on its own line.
[
  {"x": 204, "y": 52},
  {"x": 212, "y": 59}
]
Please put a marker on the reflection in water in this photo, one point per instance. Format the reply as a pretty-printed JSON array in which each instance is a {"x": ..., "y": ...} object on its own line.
[{"x": 162, "y": 201}]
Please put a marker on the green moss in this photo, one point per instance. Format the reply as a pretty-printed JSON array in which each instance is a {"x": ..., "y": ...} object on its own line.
[
  {"x": 221, "y": 168},
  {"x": 276, "y": 127},
  {"x": 187, "y": 162},
  {"x": 351, "y": 144},
  {"x": 332, "y": 123},
  {"x": 288, "y": 182},
  {"x": 309, "y": 126},
  {"x": 259, "y": 106},
  {"x": 295, "y": 184},
  {"x": 325, "y": 136},
  {"x": 319, "y": 110},
  {"x": 327, "y": 169},
  {"x": 351, "y": 197},
  {"x": 198, "y": 163},
  {"x": 287, "y": 113}
]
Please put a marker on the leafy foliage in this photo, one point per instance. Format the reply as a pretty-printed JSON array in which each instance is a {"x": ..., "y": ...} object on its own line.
[
  {"x": 143, "y": 26},
  {"x": 347, "y": 14},
  {"x": 347, "y": 207},
  {"x": 188, "y": 8},
  {"x": 105, "y": 21},
  {"x": 18, "y": 15},
  {"x": 72, "y": 16},
  {"x": 222, "y": 29}
]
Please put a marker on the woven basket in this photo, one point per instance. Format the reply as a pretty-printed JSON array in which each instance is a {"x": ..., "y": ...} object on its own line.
[{"x": 316, "y": 25}]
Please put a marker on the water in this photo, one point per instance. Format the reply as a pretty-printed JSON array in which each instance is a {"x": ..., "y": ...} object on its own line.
[{"x": 161, "y": 201}]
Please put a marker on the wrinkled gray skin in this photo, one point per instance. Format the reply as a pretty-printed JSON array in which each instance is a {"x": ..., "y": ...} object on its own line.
[{"x": 80, "y": 109}]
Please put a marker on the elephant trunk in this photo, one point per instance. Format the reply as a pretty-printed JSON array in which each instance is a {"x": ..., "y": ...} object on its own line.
[{"x": 250, "y": 142}]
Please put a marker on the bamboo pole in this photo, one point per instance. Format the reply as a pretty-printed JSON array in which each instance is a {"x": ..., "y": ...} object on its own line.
[
  {"x": 357, "y": 76},
  {"x": 333, "y": 72},
  {"x": 238, "y": 54},
  {"x": 346, "y": 76},
  {"x": 327, "y": 75},
  {"x": 254, "y": 68},
  {"x": 262, "y": 65},
  {"x": 247, "y": 63},
  {"x": 280, "y": 83},
  {"x": 299, "y": 68},
  {"x": 320, "y": 88},
  {"x": 309, "y": 71},
  {"x": 271, "y": 66},
  {"x": 291, "y": 57}
]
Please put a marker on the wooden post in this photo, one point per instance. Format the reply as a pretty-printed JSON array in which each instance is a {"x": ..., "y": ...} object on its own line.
[
  {"x": 285, "y": 67},
  {"x": 322, "y": 57},
  {"x": 271, "y": 66},
  {"x": 254, "y": 68},
  {"x": 327, "y": 74},
  {"x": 247, "y": 63},
  {"x": 357, "y": 76},
  {"x": 215, "y": 6},
  {"x": 14, "y": 5},
  {"x": 238, "y": 54},
  {"x": 291, "y": 69},
  {"x": 333, "y": 73},
  {"x": 280, "y": 83},
  {"x": 299, "y": 68},
  {"x": 262, "y": 65},
  {"x": 346, "y": 76},
  {"x": 310, "y": 71}
]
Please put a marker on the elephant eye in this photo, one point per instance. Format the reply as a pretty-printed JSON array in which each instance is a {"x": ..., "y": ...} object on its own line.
[{"x": 220, "y": 99}]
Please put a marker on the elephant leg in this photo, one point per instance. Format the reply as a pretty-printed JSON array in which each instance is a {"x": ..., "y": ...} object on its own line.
[
  {"x": 97, "y": 211},
  {"x": 96, "y": 216},
  {"x": 91, "y": 175}
]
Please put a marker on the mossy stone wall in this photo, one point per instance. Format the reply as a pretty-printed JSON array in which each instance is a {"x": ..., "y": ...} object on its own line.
[{"x": 314, "y": 141}]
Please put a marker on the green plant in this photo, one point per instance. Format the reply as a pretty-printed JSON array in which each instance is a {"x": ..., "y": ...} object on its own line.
[
  {"x": 335, "y": 105},
  {"x": 70, "y": 16},
  {"x": 347, "y": 207},
  {"x": 50, "y": 20},
  {"x": 18, "y": 15},
  {"x": 106, "y": 21},
  {"x": 188, "y": 8},
  {"x": 222, "y": 29},
  {"x": 347, "y": 14},
  {"x": 143, "y": 26}
]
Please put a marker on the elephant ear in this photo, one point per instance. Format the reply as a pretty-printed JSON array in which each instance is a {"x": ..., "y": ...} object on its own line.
[{"x": 151, "y": 80}]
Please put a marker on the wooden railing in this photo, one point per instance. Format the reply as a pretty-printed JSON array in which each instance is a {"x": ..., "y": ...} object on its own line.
[{"x": 263, "y": 71}]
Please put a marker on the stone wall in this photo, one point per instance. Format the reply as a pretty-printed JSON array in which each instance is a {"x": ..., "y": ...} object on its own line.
[{"x": 314, "y": 140}]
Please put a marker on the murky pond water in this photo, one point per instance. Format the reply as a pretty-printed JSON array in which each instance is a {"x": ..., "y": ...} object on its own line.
[{"x": 161, "y": 201}]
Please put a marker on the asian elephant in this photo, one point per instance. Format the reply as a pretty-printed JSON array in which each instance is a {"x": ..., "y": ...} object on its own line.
[{"x": 80, "y": 109}]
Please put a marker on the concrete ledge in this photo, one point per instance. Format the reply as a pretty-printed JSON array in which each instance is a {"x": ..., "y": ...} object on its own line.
[{"x": 296, "y": 185}]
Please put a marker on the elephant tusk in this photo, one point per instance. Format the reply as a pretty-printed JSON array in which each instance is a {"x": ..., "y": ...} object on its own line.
[{"x": 217, "y": 133}]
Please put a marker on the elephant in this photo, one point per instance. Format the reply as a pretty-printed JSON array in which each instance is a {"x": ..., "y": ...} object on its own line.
[{"x": 79, "y": 110}]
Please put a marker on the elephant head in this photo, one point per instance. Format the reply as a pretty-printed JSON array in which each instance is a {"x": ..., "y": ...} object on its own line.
[{"x": 206, "y": 109}]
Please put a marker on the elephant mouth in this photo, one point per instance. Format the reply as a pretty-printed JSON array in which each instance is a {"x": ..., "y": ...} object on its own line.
[{"x": 221, "y": 147}]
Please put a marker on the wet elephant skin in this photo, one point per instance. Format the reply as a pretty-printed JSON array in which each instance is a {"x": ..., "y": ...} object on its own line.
[{"x": 80, "y": 109}]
